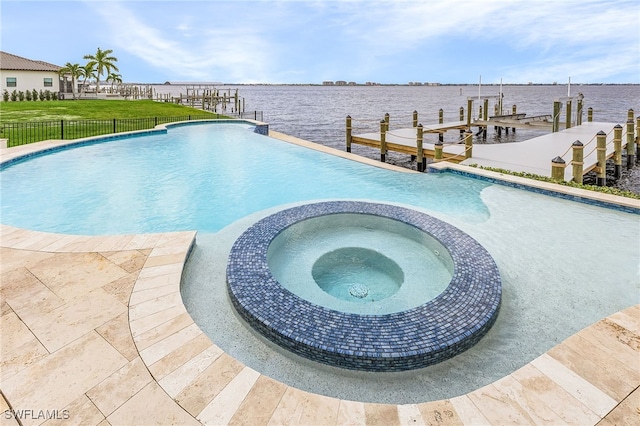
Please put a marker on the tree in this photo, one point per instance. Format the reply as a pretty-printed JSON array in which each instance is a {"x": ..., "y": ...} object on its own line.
[
  {"x": 74, "y": 71},
  {"x": 103, "y": 63},
  {"x": 114, "y": 78},
  {"x": 87, "y": 72}
]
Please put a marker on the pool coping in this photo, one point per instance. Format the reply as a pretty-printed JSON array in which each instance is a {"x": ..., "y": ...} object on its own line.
[{"x": 537, "y": 391}]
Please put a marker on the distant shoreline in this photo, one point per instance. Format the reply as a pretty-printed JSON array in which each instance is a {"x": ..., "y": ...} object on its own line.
[{"x": 384, "y": 84}]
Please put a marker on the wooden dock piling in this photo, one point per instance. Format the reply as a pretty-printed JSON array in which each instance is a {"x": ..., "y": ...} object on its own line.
[
  {"x": 468, "y": 144},
  {"x": 578, "y": 161},
  {"x": 438, "y": 150},
  {"x": 601, "y": 140},
  {"x": 638, "y": 140},
  {"x": 590, "y": 115},
  {"x": 440, "y": 121},
  {"x": 383, "y": 140},
  {"x": 617, "y": 154},
  {"x": 349, "y": 137},
  {"x": 557, "y": 168},
  {"x": 420, "y": 153},
  {"x": 579, "y": 111},
  {"x": 631, "y": 149},
  {"x": 557, "y": 105},
  {"x": 415, "y": 118}
]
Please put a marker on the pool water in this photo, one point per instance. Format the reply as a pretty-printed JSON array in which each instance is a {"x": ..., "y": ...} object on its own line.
[
  {"x": 202, "y": 177},
  {"x": 564, "y": 265},
  {"x": 360, "y": 263},
  {"x": 357, "y": 274}
]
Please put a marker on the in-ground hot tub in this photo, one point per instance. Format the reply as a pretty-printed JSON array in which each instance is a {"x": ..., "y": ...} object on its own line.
[{"x": 364, "y": 286}]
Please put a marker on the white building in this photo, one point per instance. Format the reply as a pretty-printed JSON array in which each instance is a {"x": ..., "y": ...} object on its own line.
[{"x": 22, "y": 74}]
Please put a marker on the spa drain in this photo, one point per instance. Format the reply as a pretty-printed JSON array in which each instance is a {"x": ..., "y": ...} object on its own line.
[{"x": 359, "y": 290}]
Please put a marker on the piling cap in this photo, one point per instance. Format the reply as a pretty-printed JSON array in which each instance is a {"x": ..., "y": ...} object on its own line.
[
  {"x": 438, "y": 143},
  {"x": 601, "y": 133},
  {"x": 617, "y": 126},
  {"x": 558, "y": 160},
  {"x": 577, "y": 143},
  {"x": 419, "y": 124}
]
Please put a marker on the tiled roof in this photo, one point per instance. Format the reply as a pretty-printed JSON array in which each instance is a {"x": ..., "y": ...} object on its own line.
[{"x": 13, "y": 62}]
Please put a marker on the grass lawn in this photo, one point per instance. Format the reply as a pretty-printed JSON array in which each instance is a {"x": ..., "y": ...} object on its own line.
[
  {"x": 91, "y": 110},
  {"x": 26, "y": 122}
]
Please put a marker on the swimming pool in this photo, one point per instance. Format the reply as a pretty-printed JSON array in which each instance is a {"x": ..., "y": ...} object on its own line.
[
  {"x": 563, "y": 264},
  {"x": 202, "y": 177}
]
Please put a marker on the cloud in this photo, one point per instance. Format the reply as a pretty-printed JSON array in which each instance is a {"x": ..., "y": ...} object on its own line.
[
  {"x": 201, "y": 50},
  {"x": 310, "y": 41}
]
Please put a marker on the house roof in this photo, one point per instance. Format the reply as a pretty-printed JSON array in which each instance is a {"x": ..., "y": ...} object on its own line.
[{"x": 18, "y": 63}]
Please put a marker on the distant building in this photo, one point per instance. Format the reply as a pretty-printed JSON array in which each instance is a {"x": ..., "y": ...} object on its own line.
[
  {"x": 22, "y": 74},
  {"x": 341, "y": 83},
  {"x": 327, "y": 83}
]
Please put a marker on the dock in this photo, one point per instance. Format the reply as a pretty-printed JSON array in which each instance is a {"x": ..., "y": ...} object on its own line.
[
  {"x": 404, "y": 141},
  {"x": 535, "y": 155},
  {"x": 531, "y": 156}
]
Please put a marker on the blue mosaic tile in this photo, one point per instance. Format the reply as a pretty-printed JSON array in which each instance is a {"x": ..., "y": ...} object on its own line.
[{"x": 437, "y": 330}]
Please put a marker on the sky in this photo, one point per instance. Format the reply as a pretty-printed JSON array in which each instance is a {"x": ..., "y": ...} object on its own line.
[{"x": 308, "y": 42}]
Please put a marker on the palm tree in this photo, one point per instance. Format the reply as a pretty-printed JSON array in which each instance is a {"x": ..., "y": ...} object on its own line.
[
  {"x": 74, "y": 71},
  {"x": 88, "y": 71},
  {"x": 103, "y": 63},
  {"x": 114, "y": 78}
]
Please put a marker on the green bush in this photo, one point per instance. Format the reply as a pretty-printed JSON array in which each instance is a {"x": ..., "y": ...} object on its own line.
[
  {"x": 27, "y": 95},
  {"x": 14, "y": 95},
  {"x": 54, "y": 96},
  {"x": 47, "y": 95},
  {"x": 41, "y": 95},
  {"x": 21, "y": 95},
  {"x": 34, "y": 95},
  {"x": 5, "y": 95},
  {"x": 595, "y": 188}
]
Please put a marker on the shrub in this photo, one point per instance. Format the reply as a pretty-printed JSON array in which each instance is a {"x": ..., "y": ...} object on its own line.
[
  {"x": 34, "y": 95},
  {"x": 5, "y": 95},
  {"x": 54, "y": 96},
  {"x": 27, "y": 95},
  {"x": 47, "y": 95},
  {"x": 41, "y": 95},
  {"x": 21, "y": 95},
  {"x": 14, "y": 96},
  {"x": 595, "y": 188}
]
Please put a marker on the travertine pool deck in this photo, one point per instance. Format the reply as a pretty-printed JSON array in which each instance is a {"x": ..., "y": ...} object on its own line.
[
  {"x": 96, "y": 326},
  {"x": 94, "y": 331}
]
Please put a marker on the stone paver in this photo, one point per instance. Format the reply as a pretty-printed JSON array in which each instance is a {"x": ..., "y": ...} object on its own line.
[{"x": 97, "y": 357}]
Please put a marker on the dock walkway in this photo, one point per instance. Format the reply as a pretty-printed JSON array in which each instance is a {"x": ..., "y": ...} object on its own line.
[
  {"x": 532, "y": 155},
  {"x": 404, "y": 141}
]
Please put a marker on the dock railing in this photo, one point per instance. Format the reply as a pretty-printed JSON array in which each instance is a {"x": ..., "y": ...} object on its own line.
[{"x": 603, "y": 142}]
